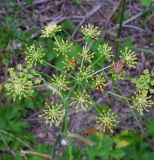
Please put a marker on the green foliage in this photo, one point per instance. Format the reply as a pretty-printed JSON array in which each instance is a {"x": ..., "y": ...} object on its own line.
[
  {"x": 78, "y": 79},
  {"x": 124, "y": 145},
  {"x": 103, "y": 149},
  {"x": 41, "y": 151},
  {"x": 150, "y": 126},
  {"x": 78, "y": 2},
  {"x": 13, "y": 130},
  {"x": 146, "y": 2},
  {"x": 76, "y": 152}
]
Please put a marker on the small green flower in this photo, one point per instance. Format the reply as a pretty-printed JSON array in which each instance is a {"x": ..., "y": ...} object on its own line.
[
  {"x": 106, "y": 121},
  {"x": 118, "y": 76},
  {"x": 86, "y": 55},
  {"x": 50, "y": 30},
  {"x": 34, "y": 55},
  {"x": 53, "y": 114},
  {"x": 82, "y": 75},
  {"x": 82, "y": 101},
  {"x": 60, "y": 82},
  {"x": 129, "y": 58},
  {"x": 106, "y": 51},
  {"x": 90, "y": 32},
  {"x": 99, "y": 80},
  {"x": 143, "y": 82},
  {"x": 99, "y": 83},
  {"x": 142, "y": 102},
  {"x": 20, "y": 83},
  {"x": 63, "y": 47}
]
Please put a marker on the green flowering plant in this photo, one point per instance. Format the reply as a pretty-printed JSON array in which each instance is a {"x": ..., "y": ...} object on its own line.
[
  {"x": 142, "y": 102},
  {"x": 145, "y": 81},
  {"x": 50, "y": 30},
  {"x": 53, "y": 114},
  {"x": 62, "y": 47},
  {"x": 74, "y": 82},
  {"x": 21, "y": 82},
  {"x": 90, "y": 32},
  {"x": 82, "y": 101},
  {"x": 129, "y": 58},
  {"x": 106, "y": 51},
  {"x": 34, "y": 55},
  {"x": 107, "y": 120}
]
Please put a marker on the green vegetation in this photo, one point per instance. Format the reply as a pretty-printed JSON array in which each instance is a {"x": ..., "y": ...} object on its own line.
[{"x": 53, "y": 74}]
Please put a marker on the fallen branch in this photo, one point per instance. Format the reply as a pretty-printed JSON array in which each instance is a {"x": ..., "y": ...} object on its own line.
[{"x": 127, "y": 21}]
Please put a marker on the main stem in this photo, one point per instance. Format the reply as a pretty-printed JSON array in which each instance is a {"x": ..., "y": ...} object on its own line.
[
  {"x": 67, "y": 133},
  {"x": 123, "y": 3}
]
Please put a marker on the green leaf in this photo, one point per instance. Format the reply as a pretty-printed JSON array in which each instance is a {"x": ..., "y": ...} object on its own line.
[
  {"x": 150, "y": 126},
  {"x": 146, "y": 2}
]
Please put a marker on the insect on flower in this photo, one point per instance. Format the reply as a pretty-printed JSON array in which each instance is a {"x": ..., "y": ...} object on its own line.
[
  {"x": 117, "y": 67},
  {"x": 72, "y": 62}
]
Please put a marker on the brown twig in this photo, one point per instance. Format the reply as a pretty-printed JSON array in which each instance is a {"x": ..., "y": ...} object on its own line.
[{"x": 127, "y": 21}]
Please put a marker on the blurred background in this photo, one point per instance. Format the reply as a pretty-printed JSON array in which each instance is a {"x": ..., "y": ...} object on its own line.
[{"x": 24, "y": 136}]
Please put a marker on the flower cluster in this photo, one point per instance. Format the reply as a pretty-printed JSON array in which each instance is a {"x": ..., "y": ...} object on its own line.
[
  {"x": 81, "y": 101},
  {"x": 143, "y": 82},
  {"x": 142, "y": 102},
  {"x": 83, "y": 75},
  {"x": 53, "y": 114},
  {"x": 106, "y": 121},
  {"x": 50, "y": 30},
  {"x": 86, "y": 55},
  {"x": 90, "y": 32},
  {"x": 99, "y": 83},
  {"x": 129, "y": 58},
  {"x": 63, "y": 47},
  {"x": 106, "y": 51},
  {"x": 34, "y": 55},
  {"x": 20, "y": 83},
  {"x": 59, "y": 82}
]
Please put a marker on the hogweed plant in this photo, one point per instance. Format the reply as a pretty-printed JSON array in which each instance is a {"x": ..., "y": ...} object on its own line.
[{"x": 77, "y": 78}]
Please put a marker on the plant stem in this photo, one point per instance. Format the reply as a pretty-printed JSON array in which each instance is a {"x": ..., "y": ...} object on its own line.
[
  {"x": 57, "y": 41},
  {"x": 41, "y": 85},
  {"x": 99, "y": 71},
  {"x": 117, "y": 95},
  {"x": 83, "y": 57},
  {"x": 98, "y": 59},
  {"x": 53, "y": 66},
  {"x": 134, "y": 114},
  {"x": 123, "y": 3},
  {"x": 56, "y": 68},
  {"x": 36, "y": 153},
  {"x": 67, "y": 133},
  {"x": 64, "y": 127}
]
